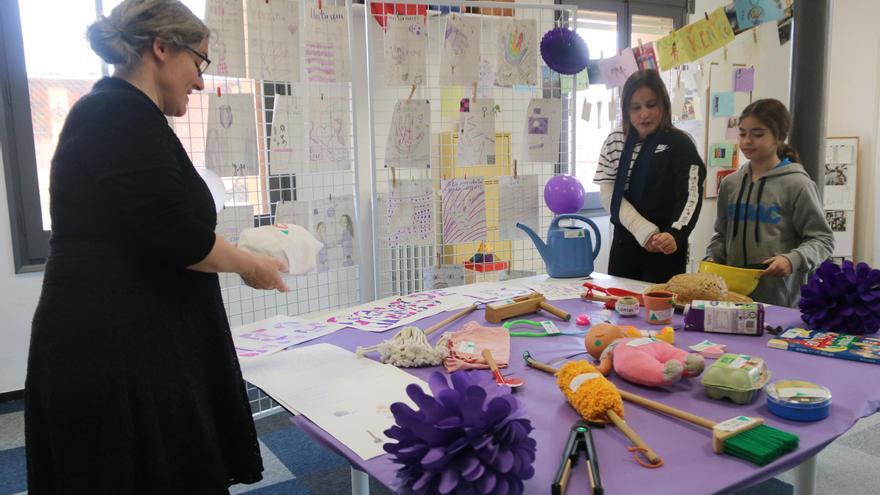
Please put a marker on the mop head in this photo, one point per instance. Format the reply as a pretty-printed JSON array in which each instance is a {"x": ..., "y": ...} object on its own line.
[
  {"x": 590, "y": 393},
  {"x": 409, "y": 349}
]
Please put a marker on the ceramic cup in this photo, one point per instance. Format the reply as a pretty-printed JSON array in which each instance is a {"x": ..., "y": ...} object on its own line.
[
  {"x": 627, "y": 306},
  {"x": 658, "y": 307}
]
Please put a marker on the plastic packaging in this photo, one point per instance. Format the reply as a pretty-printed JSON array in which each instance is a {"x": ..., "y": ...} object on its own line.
[
  {"x": 725, "y": 317},
  {"x": 798, "y": 400},
  {"x": 737, "y": 377}
]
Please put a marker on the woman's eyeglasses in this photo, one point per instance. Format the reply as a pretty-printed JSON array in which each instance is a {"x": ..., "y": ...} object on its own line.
[{"x": 203, "y": 65}]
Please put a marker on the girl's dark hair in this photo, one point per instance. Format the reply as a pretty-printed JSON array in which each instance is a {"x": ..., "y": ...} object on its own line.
[
  {"x": 775, "y": 116},
  {"x": 648, "y": 79}
]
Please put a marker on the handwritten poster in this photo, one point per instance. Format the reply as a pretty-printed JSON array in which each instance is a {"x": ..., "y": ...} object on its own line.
[
  {"x": 517, "y": 52},
  {"x": 409, "y": 138},
  {"x": 517, "y": 202},
  {"x": 277, "y": 333},
  {"x": 231, "y": 143},
  {"x": 331, "y": 221},
  {"x": 476, "y": 136},
  {"x": 406, "y": 214},
  {"x": 543, "y": 123},
  {"x": 326, "y": 45},
  {"x": 701, "y": 38},
  {"x": 288, "y": 135},
  {"x": 273, "y": 40},
  {"x": 405, "y": 48},
  {"x": 329, "y": 132},
  {"x": 615, "y": 70},
  {"x": 744, "y": 79},
  {"x": 460, "y": 53},
  {"x": 464, "y": 210},
  {"x": 225, "y": 19},
  {"x": 379, "y": 316},
  {"x": 441, "y": 277}
]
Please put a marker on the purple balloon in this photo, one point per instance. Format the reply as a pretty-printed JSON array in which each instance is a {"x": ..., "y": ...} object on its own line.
[{"x": 564, "y": 194}]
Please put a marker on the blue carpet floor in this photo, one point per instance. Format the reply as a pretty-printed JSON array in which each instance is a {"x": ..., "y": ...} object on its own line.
[{"x": 294, "y": 464}]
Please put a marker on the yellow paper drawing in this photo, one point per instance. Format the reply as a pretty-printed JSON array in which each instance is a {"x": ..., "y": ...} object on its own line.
[{"x": 669, "y": 51}]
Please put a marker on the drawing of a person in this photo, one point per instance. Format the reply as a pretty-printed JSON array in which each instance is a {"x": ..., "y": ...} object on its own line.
[
  {"x": 321, "y": 235},
  {"x": 346, "y": 240}
]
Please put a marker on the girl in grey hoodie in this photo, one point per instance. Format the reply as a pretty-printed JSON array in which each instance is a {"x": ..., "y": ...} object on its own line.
[{"x": 769, "y": 212}]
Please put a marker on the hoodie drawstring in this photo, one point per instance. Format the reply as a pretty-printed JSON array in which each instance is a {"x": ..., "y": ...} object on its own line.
[
  {"x": 758, "y": 210},
  {"x": 742, "y": 188}
]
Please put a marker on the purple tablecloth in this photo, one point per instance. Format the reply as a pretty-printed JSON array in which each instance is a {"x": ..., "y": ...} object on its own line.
[{"x": 690, "y": 465}]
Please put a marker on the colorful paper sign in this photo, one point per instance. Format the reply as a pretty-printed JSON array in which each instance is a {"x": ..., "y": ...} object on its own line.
[
  {"x": 744, "y": 79},
  {"x": 722, "y": 104}
]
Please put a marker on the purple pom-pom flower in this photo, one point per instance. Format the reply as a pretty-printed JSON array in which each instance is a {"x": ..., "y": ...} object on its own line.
[
  {"x": 564, "y": 51},
  {"x": 469, "y": 438},
  {"x": 844, "y": 299}
]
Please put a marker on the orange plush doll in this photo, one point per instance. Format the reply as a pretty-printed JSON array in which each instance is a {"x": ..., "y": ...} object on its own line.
[{"x": 645, "y": 360}]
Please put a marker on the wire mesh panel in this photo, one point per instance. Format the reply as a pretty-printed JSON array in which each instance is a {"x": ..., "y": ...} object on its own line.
[
  {"x": 458, "y": 92},
  {"x": 274, "y": 131}
]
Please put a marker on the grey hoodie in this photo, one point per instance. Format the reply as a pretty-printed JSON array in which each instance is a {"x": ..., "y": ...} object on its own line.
[{"x": 780, "y": 214}]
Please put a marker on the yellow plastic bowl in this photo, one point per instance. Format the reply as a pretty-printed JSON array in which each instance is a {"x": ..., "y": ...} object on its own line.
[{"x": 740, "y": 280}]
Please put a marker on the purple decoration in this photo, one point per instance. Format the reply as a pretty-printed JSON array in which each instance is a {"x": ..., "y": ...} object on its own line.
[
  {"x": 564, "y": 194},
  {"x": 842, "y": 299},
  {"x": 564, "y": 51},
  {"x": 471, "y": 437}
]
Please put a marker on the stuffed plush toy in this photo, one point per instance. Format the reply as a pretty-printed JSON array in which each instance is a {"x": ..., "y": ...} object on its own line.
[{"x": 644, "y": 360}]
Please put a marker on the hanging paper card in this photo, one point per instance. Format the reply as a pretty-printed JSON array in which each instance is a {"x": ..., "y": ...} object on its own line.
[
  {"x": 409, "y": 137},
  {"x": 721, "y": 26},
  {"x": 277, "y": 333},
  {"x": 273, "y": 40},
  {"x": 286, "y": 142},
  {"x": 731, "y": 133},
  {"x": 406, "y": 215},
  {"x": 744, "y": 79},
  {"x": 722, "y": 155},
  {"x": 326, "y": 45},
  {"x": 441, "y": 277},
  {"x": 699, "y": 39},
  {"x": 476, "y": 136},
  {"x": 645, "y": 56},
  {"x": 517, "y": 202},
  {"x": 460, "y": 55},
  {"x": 543, "y": 122},
  {"x": 615, "y": 70},
  {"x": 750, "y": 13},
  {"x": 464, "y": 210},
  {"x": 517, "y": 52},
  {"x": 231, "y": 144},
  {"x": 722, "y": 104},
  {"x": 669, "y": 53},
  {"x": 405, "y": 44},
  {"x": 225, "y": 19},
  {"x": 329, "y": 131}
]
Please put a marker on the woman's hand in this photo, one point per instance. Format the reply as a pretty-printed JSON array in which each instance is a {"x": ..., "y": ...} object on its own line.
[
  {"x": 662, "y": 242},
  {"x": 778, "y": 266},
  {"x": 265, "y": 273}
]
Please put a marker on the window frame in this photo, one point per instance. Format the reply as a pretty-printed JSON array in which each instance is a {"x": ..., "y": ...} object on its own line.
[{"x": 30, "y": 243}]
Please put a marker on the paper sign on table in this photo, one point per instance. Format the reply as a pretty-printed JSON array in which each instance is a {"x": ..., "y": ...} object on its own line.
[{"x": 265, "y": 337}]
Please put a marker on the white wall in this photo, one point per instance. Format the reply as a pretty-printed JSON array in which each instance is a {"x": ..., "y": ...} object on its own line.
[{"x": 18, "y": 299}]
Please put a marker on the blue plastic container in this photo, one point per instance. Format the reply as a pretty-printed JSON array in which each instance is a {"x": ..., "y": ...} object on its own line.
[{"x": 798, "y": 400}]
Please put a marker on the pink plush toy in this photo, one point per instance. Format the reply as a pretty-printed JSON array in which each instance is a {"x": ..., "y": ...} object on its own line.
[{"x": 645, "y": 361}]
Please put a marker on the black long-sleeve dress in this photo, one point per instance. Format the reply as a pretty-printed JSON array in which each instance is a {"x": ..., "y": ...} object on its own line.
[{"x": 132, "y": 385}]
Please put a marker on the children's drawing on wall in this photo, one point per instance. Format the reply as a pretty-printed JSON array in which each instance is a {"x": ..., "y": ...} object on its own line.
[
  {"x": 225, "y": 19},
  {"x": 731, "y": 133},
  {"x": 689, "y": 111},
  {"x": 277, "y": 333},
  {"x": 835, "y": 174},
  {"x": 744, "y": 79},
  {"x": 231, "y": 144},
  {"x": 405, "y": 42},
  {"x": 329, "y": 131},
  {"x": 487, "y": 79},
  {"x": 464, "y": 210},
  {"x": 615, "y": 70},
  {"x": 751, "y": 13},
  {"x": 543, "y": 122},
  {"x": 517, "y": 52},
  {"x": 286, "y": 141},
  {"x": 442, "y": 277},
  {"x": 273, "y": 40},
  {"x": 460, "y": 55},
  {"x": 476, "y": 136},
  {"x": 517, "y": 202},
  {"x": 722, "y": 104},
  {"x": 331, "y": 221},
  {"x": 409, "y": 137},
  {"x": 645, "y": 56},
  {"x": 326, "y": 44},
  {"x": 406, "y": 214}
]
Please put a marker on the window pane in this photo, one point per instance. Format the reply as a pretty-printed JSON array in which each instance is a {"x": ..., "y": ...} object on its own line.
[
  {"x": 599, "y": 30},
  {"x": 648, "y": 28}
]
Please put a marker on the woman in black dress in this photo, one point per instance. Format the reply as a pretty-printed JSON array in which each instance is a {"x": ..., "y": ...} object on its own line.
[{"x": 133, "y": 385}]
